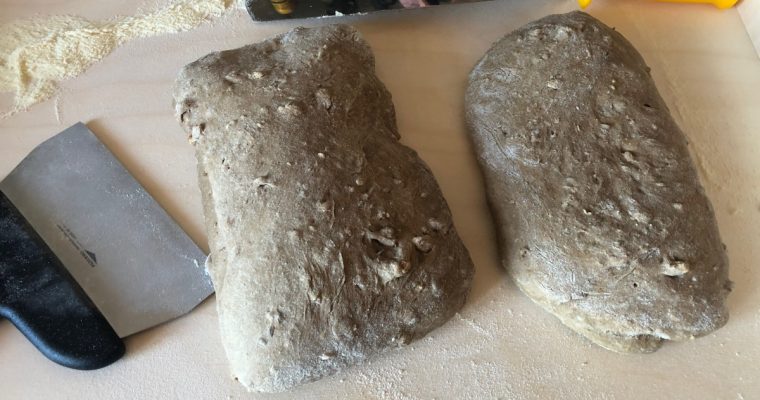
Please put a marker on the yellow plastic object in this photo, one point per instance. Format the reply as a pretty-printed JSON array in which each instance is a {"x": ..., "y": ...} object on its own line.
[{"x": 716, "y": 3}]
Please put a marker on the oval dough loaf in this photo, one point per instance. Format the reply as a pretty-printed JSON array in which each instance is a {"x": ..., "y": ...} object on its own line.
[
  {"x": 601, "y": 217},
  {"x": 330, "y": 241}
]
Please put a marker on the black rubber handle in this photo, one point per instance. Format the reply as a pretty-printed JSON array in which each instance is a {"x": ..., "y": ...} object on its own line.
[{"x": 39, "y": 296}]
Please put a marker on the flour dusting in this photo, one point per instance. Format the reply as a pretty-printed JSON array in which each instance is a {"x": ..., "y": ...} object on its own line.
[{"x": 37, "y": 54}]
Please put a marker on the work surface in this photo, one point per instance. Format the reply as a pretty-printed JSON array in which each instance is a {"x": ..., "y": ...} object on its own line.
[{"x": 501, "y": 345}]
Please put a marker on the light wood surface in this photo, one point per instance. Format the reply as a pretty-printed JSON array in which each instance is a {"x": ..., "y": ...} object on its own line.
[
  {"x": 501, "y": 345},
  {"x": 750, "y": 13}
]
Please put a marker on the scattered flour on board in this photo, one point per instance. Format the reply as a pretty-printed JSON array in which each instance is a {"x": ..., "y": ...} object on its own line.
[
  {"x": 464, "y": 366},
  {"x": 36, "y": 54}
]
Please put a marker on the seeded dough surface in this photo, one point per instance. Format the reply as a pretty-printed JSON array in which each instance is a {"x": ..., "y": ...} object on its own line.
[
  {"x": 330, "y": 241},
  {"x": 601, "y": 218}
]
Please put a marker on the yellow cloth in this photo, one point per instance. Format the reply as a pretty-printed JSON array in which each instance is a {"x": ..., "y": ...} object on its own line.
[{"x": 716, "y": 3}]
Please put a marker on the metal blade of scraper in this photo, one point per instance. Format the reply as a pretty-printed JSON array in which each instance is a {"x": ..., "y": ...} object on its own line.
[
  {"x": 269, "y": 10},
  {"x": 132, "y": 260}
]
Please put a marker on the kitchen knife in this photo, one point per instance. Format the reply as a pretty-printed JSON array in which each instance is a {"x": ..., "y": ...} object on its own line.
[
  {"x": 86, "y": 254},
  {"x": 269, "y": 10}
]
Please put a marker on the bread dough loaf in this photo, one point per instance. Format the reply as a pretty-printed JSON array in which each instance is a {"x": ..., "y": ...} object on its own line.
[
  {"x": 330, "y": 241},
  {"x": 600, "y": 214}
]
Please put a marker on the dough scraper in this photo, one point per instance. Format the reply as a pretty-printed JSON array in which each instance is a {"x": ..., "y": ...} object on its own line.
[{"x": 87, "y": 256}]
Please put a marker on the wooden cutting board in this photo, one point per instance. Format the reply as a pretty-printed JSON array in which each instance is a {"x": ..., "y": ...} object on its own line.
[
  {"x": 501, "y": 345},
  {"x": 750, "y": 13}
]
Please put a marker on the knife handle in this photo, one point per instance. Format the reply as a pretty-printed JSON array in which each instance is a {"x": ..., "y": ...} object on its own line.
[{"x": 41, "y": 298}]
